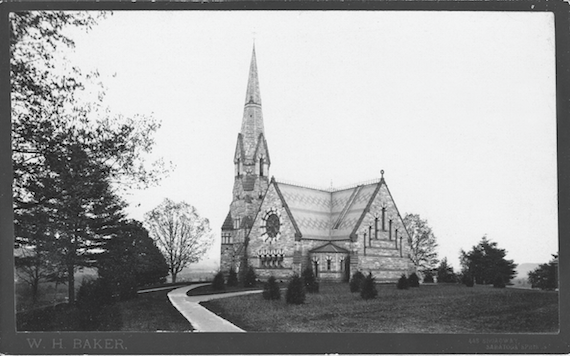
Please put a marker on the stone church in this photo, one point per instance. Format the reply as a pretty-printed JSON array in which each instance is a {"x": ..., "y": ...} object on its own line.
[{"x": 281, "y": 228}]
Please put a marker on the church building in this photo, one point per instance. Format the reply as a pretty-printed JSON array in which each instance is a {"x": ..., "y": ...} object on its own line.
[{"x": 281, "y": 228}]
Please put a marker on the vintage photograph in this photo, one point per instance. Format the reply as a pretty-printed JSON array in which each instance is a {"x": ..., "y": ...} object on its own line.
[{"x": 386, "y": 172}]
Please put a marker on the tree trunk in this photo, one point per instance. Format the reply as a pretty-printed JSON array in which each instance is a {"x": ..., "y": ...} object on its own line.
[
  {"x": 70, "y": 284},
  {"x": 173, "y": 276}
]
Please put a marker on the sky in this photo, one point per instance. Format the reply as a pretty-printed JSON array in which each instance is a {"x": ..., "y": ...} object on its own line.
[{"x": 458, "y": 109}]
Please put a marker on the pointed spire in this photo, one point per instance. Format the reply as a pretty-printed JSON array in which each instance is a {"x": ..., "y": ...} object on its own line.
[
  {"x": 252, "y": 122},
  {"x": 252, "y": 95}
]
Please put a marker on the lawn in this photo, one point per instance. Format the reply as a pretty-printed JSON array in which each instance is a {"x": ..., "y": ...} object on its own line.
[
  {"x": 428, "y": 309},
  {"x": 151, "y": 311}
]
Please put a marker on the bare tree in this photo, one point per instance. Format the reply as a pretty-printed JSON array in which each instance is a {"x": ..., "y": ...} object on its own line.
[
  {"x": 422, "y": 243},
  {"x": 180, "y": 233}
]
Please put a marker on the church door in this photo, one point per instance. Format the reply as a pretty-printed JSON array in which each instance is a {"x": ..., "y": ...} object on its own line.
[{"x": 316, "y": 268}]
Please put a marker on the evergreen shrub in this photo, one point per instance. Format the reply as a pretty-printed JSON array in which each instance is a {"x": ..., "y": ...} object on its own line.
[
  {"x": 467, "y": 280},
  {"x": 250, "y": 279},
  {"x": 414, "y": 280},
  {"x": 499, "y": 282},
  {"x": 428, "y": 278},
  {"x": 368, "y": 289},
  {"x": 219, "y": 282},
  {"x": 295, "y": 291},
  {"x": 232, "y": 278},
  {"x": 356, "y": 282},
  {"x": 92, "y": 296},
  {"x": 402, "y": 282},
  {"x": 271, "y": 290},
  {"x": 311, "y": 283}
]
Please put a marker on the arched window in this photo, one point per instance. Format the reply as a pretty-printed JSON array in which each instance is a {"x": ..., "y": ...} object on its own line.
[
  {"x": 329, "y": 264},
  {"x": 261, "y": 167}
]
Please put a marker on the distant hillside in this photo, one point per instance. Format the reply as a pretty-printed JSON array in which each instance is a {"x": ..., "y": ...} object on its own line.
[{"x": 524, "y": 268}]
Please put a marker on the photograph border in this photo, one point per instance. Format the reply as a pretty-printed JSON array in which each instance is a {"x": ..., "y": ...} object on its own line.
[{"x": 12, "y": 342}]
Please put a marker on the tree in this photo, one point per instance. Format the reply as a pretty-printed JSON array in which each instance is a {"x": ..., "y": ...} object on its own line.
[
  {"x": 545, "y": 276},
  {"x": 130, "y": 260},
  {"x": 180, "y": 233},
  {"x": 485, "y": 262},
  {"x": 219, "y": 282},
  {"x": 271, "y": 290},
  {"x": 403, "y": 282},
  {"x": 295, "y": 291},
  {"x": 414, "y": 280},
  {"x": 368, "y": 290},
  {"x": 249, "y": 279},
  {"x": 422, "y": 242},
  {"x": 69, "y": 154},
  {"x": 356, "y": 282},
  {"x": 311, "y": 283},
  {"x": 445, "y": 272},
  {"x": 232, "y": 278}
]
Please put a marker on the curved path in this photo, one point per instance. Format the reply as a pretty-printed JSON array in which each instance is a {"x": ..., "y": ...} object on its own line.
[{"x": 202, "y": 319}]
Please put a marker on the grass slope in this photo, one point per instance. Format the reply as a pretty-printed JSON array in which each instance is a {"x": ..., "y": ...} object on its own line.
[
  {"x": 428, "y": 309},
  {"x": 149, "y": 312}
]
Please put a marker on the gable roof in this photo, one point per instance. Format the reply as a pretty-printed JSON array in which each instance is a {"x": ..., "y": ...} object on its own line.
[
  {"x": 228, "y": 223},
  {"x": 327, "y": 215},
  {"x": 329, "y": 248}
]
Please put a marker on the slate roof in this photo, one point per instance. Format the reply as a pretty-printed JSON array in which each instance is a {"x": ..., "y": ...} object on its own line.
[
  {"x": 228, "y": 223},
  {"x": 329, "y": 248},
  {"x": 327, "y": 215}
]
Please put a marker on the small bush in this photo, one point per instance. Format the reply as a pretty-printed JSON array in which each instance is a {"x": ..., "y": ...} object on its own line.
[
  {"x": 414, "y": 280},
  {"x": 356, "y": 282},
  {"x": 311, "y": 283},
  {"x": 499, "y": 282},
  {"x": 368, "y": 290},
  {"x": 219, "y": 282},
  {"x": 295, "y": 291},
  {"x": 467, "y": 280},
  {"x": 271, "y": 290},
  {"x": 250, "y": 279},
  {"x": 92, "y": 296},
  {"x": 232, "y": 278},
  {"x": 428, "y": 278},
  {"x": 403, "y": 282}
]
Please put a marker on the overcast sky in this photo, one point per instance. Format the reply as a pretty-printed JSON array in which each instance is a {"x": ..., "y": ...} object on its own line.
[{"x": 458, "y": 109}]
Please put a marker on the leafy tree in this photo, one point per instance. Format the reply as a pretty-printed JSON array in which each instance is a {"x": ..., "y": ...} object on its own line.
[
  {"x": 295, "y": 291},
  {"x": 232, "y": 278},
  {"x": 250, "y": 279},
  {"x": 414, "y": 280},
  {"x": 180, "y": 233},
  {"x": 545, "y": 276},
  {"x": 356, "y": 282},
  {"x": 422, "y": 242},
  {"x": 486, "y": 261},
  {"x": 130, "y": 260},
  {"x": 368, "y": 290},
  {"x": 445, "y": 272},
  {"x": 69, "y": 155},
  {"x": 271, "y": 289},
  {"x": 311, "y": 283},
  {"x": 403, "y": 282}
]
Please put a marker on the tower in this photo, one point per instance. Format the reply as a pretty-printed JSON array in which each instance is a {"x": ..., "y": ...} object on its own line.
[{"x": 251, "y": 172}]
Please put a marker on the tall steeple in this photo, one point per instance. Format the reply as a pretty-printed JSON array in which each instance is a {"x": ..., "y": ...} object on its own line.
[{"x": 252, "y": 122}]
